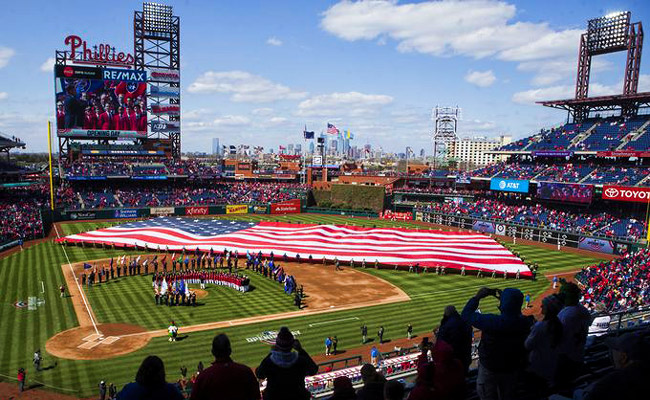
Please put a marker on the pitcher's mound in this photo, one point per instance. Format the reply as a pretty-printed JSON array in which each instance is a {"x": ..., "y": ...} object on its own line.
[
  {"x": 84, "y": 343},
  {"x": 200, "y": 293}
]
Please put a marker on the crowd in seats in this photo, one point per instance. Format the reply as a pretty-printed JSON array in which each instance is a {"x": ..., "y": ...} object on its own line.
[
  {"x": 565, "y": 173},
  {"x": 435, "y": 190},
  {"x": 20, "y": 217},
  {"x": 620, "y": 284},
  {"x": 543, "y": 217},
  {"x": 570, "y": 172},
  {"x": 509, "y": 171},
  {"x": 627, "y": 176},
  {"x": 609, "y": 133},
  {"x": 190, "y": 195}
]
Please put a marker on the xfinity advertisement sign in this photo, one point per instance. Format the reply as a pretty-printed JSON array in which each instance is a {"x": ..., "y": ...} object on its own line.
[{"x": 509, "y": 185}]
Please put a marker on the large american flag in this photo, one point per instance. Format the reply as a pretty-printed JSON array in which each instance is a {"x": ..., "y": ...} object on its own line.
[
  {"x": 332, "y": 130},
  {"x": 391, "y": 246}
]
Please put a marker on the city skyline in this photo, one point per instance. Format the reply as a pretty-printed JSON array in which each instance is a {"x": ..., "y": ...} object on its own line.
[{"x": 270, "y": 69}]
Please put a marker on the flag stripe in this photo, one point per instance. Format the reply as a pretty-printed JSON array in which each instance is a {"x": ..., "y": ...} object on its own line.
[{"x": 394, "y": 246}]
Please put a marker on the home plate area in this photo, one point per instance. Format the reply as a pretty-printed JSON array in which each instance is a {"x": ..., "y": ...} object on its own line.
[{"x": 96, "y": 339}]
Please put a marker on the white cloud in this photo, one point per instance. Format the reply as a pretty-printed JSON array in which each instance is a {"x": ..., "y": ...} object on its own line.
[
  {"x": 348, "y": 104},
  {"x": 277, "y": 121},
  {"x": 568, "y": 91},
  {"x": 5, "y": 55},
  {"x": 474, "y": 28},
  {"x": 243, "y": 87},
  {"x": 48, "y": 65},
  {"x": 262, "y": 111},
  {"x": 273, "y": 41},
  {"x": 3, "y": 95},
  {"x": 481, "y": 78},
  {"x": 231, "y": 120},
  {"x": 546, "y": 93}
]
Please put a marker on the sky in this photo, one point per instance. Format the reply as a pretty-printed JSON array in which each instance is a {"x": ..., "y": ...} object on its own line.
[{"x": 257, "y": 72}]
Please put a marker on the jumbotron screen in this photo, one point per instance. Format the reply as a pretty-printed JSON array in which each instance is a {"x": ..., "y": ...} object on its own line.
[
  {"x": 569, "y": 192},
  {"x": 100, "y": 102}
]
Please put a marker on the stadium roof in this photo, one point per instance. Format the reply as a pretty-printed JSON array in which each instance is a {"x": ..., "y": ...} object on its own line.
[{"x": 601, "y": 103}]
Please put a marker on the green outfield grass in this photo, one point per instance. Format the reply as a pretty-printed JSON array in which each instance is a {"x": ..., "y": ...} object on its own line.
[{"x": 130, "y": 301}]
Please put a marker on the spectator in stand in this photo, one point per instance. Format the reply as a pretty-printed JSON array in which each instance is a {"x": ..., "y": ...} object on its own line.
[
  {"x": 501, "y": 352},
  {"x": 225, "y": 379},
  {"x": 631, "y": 357},
  {"x": 343, "y": 389},
  {"x": 543, "y": 345},
  {"x": 457, "y": 333},
  {"x": 150, "y": 383},
  {"x": 449, "y": 379},
  {"x": 619, "y": 284},
  {"x": 424, "y": 388},
  {"x": 393, "y": 390},
  {"x": 575, "y": 321},
  {"x": 285, "y": 370},
  {"x": 373, "y": 383}
]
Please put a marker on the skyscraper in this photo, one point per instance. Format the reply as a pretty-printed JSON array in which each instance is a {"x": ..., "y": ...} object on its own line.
[{"x": 216, "y": 148}]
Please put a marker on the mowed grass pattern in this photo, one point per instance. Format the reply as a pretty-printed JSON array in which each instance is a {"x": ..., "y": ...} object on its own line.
[{"x": 130, "y": 300}]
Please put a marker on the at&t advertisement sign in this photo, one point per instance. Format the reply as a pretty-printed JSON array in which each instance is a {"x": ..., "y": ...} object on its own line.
[{"x": 509, "y": 185}]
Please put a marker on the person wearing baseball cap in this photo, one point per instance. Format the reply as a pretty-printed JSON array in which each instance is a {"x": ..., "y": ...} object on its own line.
[
  {"x": 631, "y": 357},
  {"x": 285, "y": 369}
]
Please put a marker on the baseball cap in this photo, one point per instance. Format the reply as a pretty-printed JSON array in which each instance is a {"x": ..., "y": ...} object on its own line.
[{"x": 634, "y": 344}]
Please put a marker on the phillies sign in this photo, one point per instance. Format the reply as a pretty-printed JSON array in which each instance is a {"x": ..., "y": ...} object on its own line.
[
  {"x": 103, "y": 54},
  {"x": 622, "y": 193}
]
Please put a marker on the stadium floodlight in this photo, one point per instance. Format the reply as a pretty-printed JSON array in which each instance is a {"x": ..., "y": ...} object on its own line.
[
  {"x": 608, "y": 33},
  {"x": 156, "y": 17}
]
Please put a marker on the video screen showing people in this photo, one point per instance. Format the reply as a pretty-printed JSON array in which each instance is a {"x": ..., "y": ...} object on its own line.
[{"x": 574, "y": 193}]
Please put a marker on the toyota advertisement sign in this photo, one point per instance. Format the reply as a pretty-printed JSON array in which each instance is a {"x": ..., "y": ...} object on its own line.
[{"x": 622, "y": 193}]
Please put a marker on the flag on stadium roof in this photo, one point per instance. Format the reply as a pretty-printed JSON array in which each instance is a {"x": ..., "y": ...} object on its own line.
[
  {"x": 308, "y": 134},
  {"x": 392, "y": 246},
  {"x": 331, "y": 129}
]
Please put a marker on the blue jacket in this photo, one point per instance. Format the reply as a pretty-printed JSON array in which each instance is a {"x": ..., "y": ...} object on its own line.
[{"x": 502, "y": 335}]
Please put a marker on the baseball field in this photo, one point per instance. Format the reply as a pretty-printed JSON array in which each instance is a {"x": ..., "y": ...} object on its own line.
[{"x": 32, "y": 312}]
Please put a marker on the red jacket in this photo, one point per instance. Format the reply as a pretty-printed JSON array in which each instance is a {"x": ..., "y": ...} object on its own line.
[{"x": 104, "y": 122}]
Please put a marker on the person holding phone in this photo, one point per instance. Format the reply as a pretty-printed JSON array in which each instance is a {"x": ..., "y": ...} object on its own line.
[{"x": 502, "y": 354}]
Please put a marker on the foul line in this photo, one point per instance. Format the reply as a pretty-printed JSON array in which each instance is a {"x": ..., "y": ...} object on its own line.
[
  {"x": 76, "y": 280},
  {"x": 333, "y": 321}
]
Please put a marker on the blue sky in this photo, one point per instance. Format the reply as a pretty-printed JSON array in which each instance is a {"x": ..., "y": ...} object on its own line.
[{"x": 257, "y": 71}]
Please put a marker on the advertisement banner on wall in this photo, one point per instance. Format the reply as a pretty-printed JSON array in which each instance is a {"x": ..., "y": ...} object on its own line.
[
  {"x": 622, "y": 193},
  {"x": 126, "y": 213},
  {"x": 201, "y": 210},
  {"x": 164, "y": 92},
  {"x": 165, "y": 126},
  {"x": 83, "y": 215},
  {"x": 286, "y": 207},
  {"x": 237, "y": 209},
  {"x": 164, "y": 75},
  {"x": 258, "y": 209},
  {"x": 483, "y": 226},
  {"x": 500, "y": 230},
  {"x": 171, "y": 109},
  {"x": 162, "y": 211},
  {"x": 509, "y": 185},
  {"x": 599, "y": 245}
]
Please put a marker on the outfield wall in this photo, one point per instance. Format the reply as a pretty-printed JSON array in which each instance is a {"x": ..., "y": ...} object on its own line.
[{"x": 501, "y": 228}]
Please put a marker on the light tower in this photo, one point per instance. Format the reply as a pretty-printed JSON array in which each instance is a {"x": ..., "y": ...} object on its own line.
[{"x": 444, "y": 136}]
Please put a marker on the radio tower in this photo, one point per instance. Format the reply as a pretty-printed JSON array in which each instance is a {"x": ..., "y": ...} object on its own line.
[{"x": 444, "y": 136}]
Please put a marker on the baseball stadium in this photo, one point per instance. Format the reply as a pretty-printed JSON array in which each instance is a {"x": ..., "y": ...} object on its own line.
[{"x": 131, "y": 269}]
